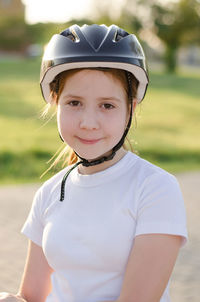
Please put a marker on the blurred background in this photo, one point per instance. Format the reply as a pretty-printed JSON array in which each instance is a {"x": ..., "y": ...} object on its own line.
[
  {"x": 168, "y": 124},
  {"x": 165, "y": 131}
]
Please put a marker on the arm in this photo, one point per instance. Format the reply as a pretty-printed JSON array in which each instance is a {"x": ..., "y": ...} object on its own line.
[
  {"x": 149, "y": 267},
  {"x": 36, "y": 283}
]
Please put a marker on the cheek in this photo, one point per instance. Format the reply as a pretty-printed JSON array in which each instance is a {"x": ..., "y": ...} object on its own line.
[
  {"x": 117, "y": 125},
  {"x": 122, "y": 119},
  {"x": 64, "y": 121}
]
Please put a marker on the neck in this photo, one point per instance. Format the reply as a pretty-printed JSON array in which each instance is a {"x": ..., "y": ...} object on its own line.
[{"x": 94, "y": 169}]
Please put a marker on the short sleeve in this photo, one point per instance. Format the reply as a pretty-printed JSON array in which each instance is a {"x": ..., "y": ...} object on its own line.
[
  {"x": 161, "y": 207},
  {"x": 33, "y": 227}
]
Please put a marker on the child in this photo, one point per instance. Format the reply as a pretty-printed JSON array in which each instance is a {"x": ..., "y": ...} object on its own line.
[{"x": 108, "y": 227}]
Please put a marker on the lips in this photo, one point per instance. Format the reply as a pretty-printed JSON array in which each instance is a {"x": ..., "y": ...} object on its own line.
[{"x": 88, "y": 141}]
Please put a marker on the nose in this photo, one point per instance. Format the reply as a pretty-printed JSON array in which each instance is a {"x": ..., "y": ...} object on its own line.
[{"x": 89, "y": 119}]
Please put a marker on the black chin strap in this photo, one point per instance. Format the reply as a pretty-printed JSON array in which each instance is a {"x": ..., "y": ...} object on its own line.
[{"x": 102, "y": 159}]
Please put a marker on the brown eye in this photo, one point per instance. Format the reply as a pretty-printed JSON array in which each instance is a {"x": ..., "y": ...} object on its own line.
[
  {"x": 74, "y": 103},
  {"x": 108, "y": 106}
]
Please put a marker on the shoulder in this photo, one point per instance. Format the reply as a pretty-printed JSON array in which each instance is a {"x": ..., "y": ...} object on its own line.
[
  {"x": 49, "y": 191},
  {"x": 144, "y": 171},
  {"x": 156, "y": 188},
  {"x": 153, "y": 184},
  {"x": 159, "y": 204}
]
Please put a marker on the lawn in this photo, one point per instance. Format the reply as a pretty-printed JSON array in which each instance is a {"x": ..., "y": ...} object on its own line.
[{"x": 167, "y": 131}]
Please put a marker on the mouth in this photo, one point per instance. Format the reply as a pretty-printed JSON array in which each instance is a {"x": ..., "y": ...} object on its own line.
[{"x": 88, "y": 141}]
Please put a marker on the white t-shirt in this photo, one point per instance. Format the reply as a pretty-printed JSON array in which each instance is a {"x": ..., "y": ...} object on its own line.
[{"x": 87, "y": 238}]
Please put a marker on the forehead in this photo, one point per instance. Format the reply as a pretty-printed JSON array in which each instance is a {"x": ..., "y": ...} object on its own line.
[
  {"x": 95, "y": 77},
  {"x": 93, "y": 82}
]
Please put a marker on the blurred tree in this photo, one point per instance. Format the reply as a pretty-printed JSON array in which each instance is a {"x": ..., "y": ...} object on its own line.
[
  {"x": 13, "y": 34},
  {"x": 11, "y": 8},
  {"x": 42, "y": 32},
  {"x": 105, "y": 12},
  {"x": 176, "y": 24},
  {"x": 16, "y": 35},
  {"x": 134, "y": 15}
]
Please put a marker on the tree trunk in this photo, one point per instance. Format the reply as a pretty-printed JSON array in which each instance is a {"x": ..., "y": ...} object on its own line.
[{"x": 171, "y": 58}]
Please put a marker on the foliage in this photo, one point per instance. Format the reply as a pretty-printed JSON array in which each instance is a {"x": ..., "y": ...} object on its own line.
[
  {"x": 13, "y": 34},
  {"x": 42, "y": 32},
  {"x": 16, "y": 35},
  {"x": 176, "y": 25}
]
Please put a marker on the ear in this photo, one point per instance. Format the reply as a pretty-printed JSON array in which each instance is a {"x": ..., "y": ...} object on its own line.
[
  {"x": 135, "y": 101},
  {"x": 134, "y": 104}
]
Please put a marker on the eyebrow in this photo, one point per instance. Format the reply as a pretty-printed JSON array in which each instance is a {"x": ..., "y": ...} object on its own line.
[
  {"x": 72, "y": 96},
  {"x": 100, "y": 98},
  {"x": 109, "y": 98}
]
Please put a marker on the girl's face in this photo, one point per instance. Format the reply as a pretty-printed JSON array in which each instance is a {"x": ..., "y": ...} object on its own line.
[{"x": 92, "y": 113}]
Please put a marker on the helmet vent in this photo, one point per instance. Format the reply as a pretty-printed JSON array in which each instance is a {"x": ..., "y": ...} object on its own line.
[
  {"x": 67, "y": 33},
  {"x": 71, "y": 37},
  {"x": 120, "y": 34}
]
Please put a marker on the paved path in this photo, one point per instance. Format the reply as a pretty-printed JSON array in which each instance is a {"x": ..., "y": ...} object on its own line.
[{"x": 15, "y": 202}]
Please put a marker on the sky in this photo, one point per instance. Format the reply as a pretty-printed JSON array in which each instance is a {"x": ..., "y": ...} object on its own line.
[
  {"x": 64, "y": 10},
  {"x": 59, "y": 10}
]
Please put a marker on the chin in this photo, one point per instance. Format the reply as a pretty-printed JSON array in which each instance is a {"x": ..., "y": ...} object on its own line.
[{"x": 92, "y": 156}]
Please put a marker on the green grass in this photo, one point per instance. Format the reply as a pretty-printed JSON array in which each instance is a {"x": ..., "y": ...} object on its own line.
[
  {"x": 167, "y": 131},
  {"x": 168, "y": 122}
]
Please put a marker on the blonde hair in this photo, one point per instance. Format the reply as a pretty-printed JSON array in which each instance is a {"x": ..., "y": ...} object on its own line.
[{"x": 67, "y": 155}]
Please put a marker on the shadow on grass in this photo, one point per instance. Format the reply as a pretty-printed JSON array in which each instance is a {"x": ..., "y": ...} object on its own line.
[
  {"x": 173, "y": 161},
  {"x": 29, "y": 165},
  {"x": 25, "y": 167},
  {"x": 166, "y": 156}
]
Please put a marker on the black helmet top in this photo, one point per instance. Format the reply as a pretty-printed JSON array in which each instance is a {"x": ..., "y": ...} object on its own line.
[{"x": 93, "y": 46}]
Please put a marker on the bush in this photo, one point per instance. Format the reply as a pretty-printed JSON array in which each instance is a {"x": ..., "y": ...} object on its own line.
[{"x": 13, "y": 34}]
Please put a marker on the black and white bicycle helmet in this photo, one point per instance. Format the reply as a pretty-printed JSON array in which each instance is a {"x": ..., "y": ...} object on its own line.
[{"x": 93, "y": 46}]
